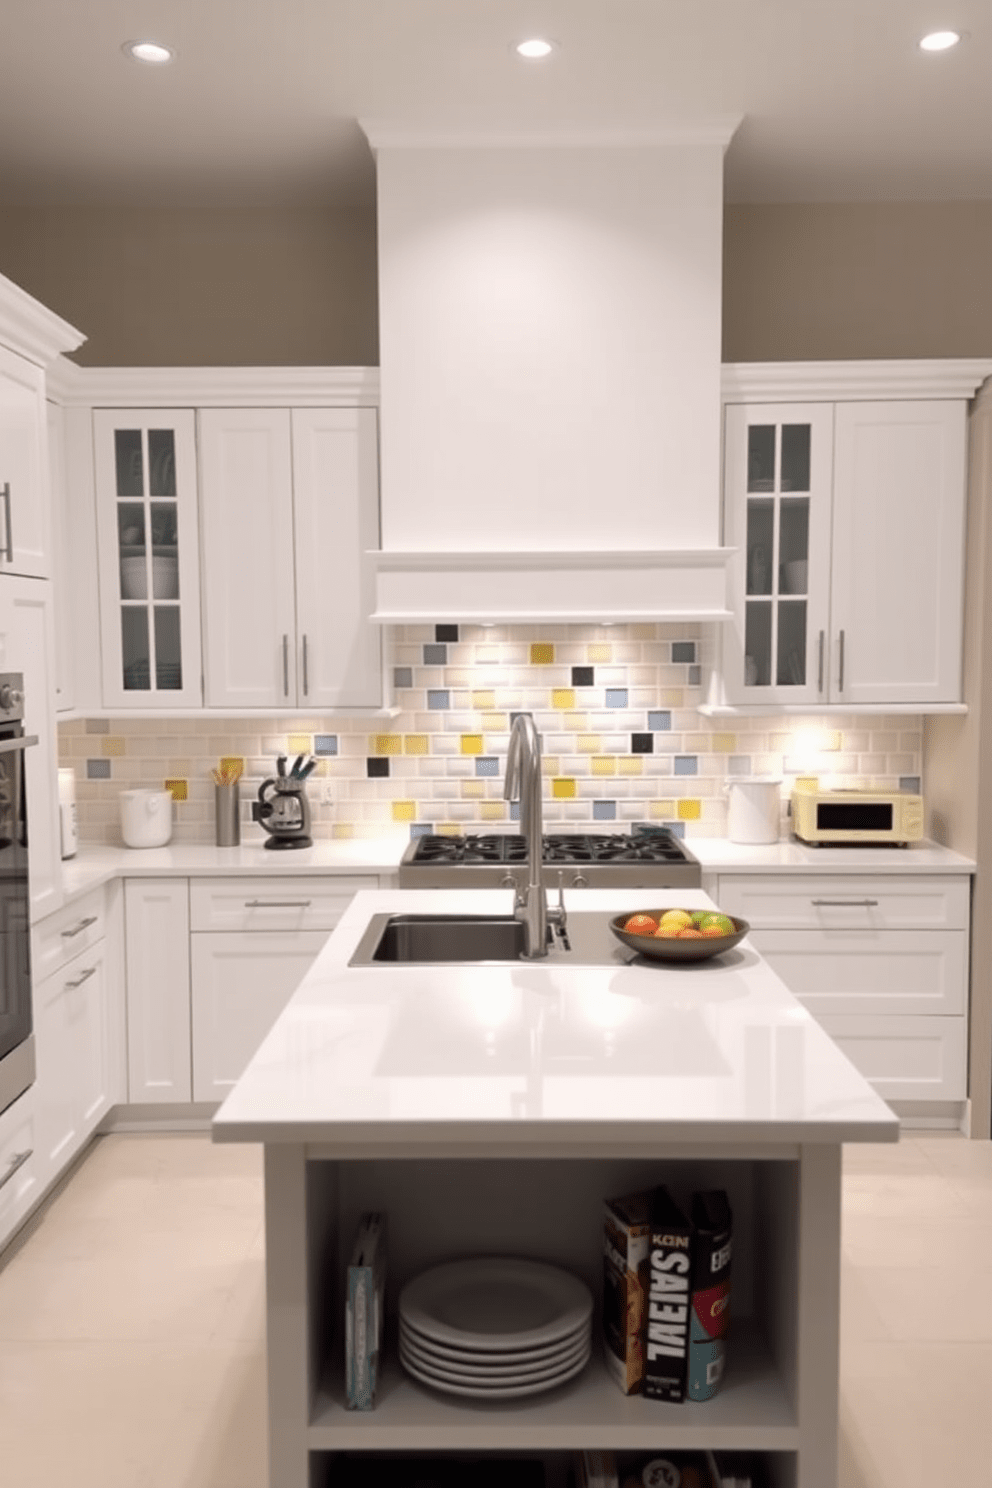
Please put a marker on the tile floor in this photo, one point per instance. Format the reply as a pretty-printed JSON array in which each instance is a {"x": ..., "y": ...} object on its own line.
[{"x": 132, "y": 1327}]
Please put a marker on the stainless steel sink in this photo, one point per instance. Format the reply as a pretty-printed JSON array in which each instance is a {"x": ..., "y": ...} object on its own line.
[{"x": 435, "y": 939}]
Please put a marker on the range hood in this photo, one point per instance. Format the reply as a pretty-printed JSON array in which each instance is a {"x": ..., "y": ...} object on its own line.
[{"x": 549, "y": 326}]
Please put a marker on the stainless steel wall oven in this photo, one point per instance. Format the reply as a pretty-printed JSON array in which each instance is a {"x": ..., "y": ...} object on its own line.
[{"x": 17, "y": 1059}]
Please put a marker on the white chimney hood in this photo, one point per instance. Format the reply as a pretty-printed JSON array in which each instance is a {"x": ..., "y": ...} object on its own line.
[{"x": 549, "y": 324}]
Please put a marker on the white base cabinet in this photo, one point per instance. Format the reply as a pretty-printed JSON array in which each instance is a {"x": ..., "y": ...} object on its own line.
[
  {"x": 20, "y": 1163},
  {"x": 156, "y": 914},
  {"x": 240, "y": 985},
  {"x": 880, "y": 962}
]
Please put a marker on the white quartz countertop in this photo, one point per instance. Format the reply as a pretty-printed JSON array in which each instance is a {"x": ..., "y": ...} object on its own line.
[
  {"x": 534, "y": 1058},
  {"x": 719, "y": 855}
]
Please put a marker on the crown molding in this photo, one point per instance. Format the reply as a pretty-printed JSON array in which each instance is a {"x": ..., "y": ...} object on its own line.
[
  {"x": 205, "y": 387},
  {"x": 792, "y": 382},
  {"x": 392, "y": 134},
  {"x": 30, "y": 329}
]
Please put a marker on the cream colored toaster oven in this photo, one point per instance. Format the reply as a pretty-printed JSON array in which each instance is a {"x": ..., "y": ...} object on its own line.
[{"x": 855, "y": 816}]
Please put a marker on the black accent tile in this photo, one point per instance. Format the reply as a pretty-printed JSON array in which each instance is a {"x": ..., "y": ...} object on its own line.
[
  {"x": 683, "y": 651},
  {"x": 402, "y": 676},
  {"x": 642, "y": 743},
  {"x": 435, "y": 655},
  {"x": 376, "y": 767},
  {"x": 446, "y": 632},
  {"x": 582, "y": 676}
]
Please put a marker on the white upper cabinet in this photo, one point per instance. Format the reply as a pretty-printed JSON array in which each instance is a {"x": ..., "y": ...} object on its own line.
[
  {"x": 146, "y": 508},
  {"x": 847, "y": 582},
  {"x": 23, "y": 468},
  {"x": 289, "y": 513}
]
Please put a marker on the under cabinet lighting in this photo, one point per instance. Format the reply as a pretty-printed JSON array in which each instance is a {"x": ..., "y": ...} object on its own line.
[
  {"x": 150, "y": 52},
  {"x": 939, "y": 41},
  {"x": 536, "y": 46}
]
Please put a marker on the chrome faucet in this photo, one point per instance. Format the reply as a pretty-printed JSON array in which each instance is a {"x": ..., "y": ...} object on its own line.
[{"x": 523, "y": 781}]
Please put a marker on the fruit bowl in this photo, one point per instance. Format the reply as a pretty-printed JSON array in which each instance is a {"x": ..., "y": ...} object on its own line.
[{"x": 672, "y": 950}]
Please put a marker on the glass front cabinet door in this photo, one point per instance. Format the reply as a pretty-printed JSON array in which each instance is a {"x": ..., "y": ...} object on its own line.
[
  {"x": 777, "y": 515},
  {"x": 145, "y": 464}
]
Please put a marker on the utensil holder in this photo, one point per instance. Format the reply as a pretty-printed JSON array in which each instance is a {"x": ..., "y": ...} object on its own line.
[{"x": 227, "y": 800}]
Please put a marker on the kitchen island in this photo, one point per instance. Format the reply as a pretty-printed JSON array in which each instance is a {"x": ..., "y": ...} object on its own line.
[{"x": 490, "y": 1109}]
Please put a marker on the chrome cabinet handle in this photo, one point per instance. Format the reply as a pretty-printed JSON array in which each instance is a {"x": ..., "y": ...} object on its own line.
[
  {"x": 819, "y": 682},
  {"x": 306, "y": 673},
  {"x": 78, "y": 929},
  {"x": 840, "y": 677},
  {"x": 846, "y": 903},
  {"x": 17, "y": 1161},
  {"x": 277, "y": 903},
  {"x": 285, "y": 666},
  {"x": 8, "y": 551},
  {"x": 83, "y": 977}
]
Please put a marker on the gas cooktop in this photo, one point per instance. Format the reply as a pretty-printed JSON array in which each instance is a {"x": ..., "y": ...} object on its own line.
[{"x": 651, "y": 860}]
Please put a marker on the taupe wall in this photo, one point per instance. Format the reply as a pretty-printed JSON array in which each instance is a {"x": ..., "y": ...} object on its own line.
[{"x": 280, "y": 285}]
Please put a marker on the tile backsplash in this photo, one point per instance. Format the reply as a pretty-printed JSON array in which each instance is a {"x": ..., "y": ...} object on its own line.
[{"x": 617, "y": 708}]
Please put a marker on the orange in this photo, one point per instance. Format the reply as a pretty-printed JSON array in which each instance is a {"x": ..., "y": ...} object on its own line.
[
  {"x": 713, "y": 930},
  {"x": 640, "y": 924},
  {"x": 690, "y": 934},
  {"x": 668, "y": 931}
]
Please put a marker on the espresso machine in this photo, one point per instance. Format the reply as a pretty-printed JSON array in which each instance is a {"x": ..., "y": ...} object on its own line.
[{"x": 282, "y": 809}]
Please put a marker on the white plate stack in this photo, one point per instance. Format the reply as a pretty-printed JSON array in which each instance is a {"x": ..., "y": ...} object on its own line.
[{"x": 495, "y": 1327}]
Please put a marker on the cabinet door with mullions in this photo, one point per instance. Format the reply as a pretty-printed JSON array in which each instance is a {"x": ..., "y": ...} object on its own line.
[
  {"x": 149, "y": 579},
  {"x": 778, "y": 513}
]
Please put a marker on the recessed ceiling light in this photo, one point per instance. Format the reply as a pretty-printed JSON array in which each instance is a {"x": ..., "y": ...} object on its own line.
[
  {"x": 536, "y": 46},
  {"x": 151, "y": 52},
  {"x": 939, "y": 41}
]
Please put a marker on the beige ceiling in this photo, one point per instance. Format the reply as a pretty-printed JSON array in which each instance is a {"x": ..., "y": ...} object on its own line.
[{"x": 837, "y": 101}]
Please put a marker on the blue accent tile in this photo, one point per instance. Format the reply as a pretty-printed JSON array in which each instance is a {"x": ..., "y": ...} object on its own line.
[
  {"x": 616, "y": 697},
  {"x": 402, "y": 676},
  {"x": 486, "y": 764},
  {"x": 642, "y": 743},
  {"x": 604, "y": 810},
  {"x": 686, "y": 764},
  {"x": 739, "y": 764},
  {"x": 438, "y": 697},
  {"x": 421, "y": 829},
  {"x": 683, "y": 650},
  {"x": 910, "y": 783},
  {"x": 695, "y": 677},
  {"x": 677, "y": 828},
  {"x": 325, "y": 743},
  {"x": 435, "y": 655},
  {"x": 98, "y": 769},
  {"x": 660, "y": 722},
  {"x": 514, "y": 810},
  {"x": 446, "y": 632}
]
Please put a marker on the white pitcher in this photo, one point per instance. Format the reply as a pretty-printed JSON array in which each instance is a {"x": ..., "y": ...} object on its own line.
[{"x": 146, "y": 817}]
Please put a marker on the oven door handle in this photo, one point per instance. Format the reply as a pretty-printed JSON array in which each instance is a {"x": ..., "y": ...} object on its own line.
[{"x": 7, "y": 746}]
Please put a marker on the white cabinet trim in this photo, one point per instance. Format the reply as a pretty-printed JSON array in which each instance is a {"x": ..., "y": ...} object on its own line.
[
  {"x": 212, "y": 387},
  {"x": 835, "y": 382}
]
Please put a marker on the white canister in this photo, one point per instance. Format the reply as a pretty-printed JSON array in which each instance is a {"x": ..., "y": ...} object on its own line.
[
  {"x": 146, "y": 817},
  {"x": 68, "y": 830},
  {"x": 754, "y": 808}
]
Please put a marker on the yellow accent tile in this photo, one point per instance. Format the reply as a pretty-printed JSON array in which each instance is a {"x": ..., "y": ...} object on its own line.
[
  {"x": 724, "y": 743},
  {"x": 386, "y": 744},
  {"x": 576, "y": 722},
  {"x": 672, "y": 697},
  {"x": 471, "y": 743},
  {"x": 299, "y": 744},
  {"x": 807, "y": 782},
  {"x": 604, "y": 764},
  {"x": 179, "y": 789},
  {"x": 689, "y": 810},
  {"x": 563, "y": 789},
  {"x": 661, "y": 810},
  {"x": 416, "y": 744},
  {"x": 831, "y": 741},
  {"x": 343, "y": 829},
  {"x": 697, "y": 743},
  {"x": 492, "y": 811},
  {"x": 563, "y": 697},
  {"x": 599, "y": 651},
  {"x": 233, "y": 763},
  {"x": 484, "y": 699},
  {"x": 404, "y": 811},
  {"x": 473, "y": 790},
  {"x": 589, "y": 743},
  {"x": 542, "y": 653},
  {"x": 449, "y": 829},
  {"x": 631, "y": 764},
  {"x": 111, "y": 746},
  {"x": 495, "y": 723}
]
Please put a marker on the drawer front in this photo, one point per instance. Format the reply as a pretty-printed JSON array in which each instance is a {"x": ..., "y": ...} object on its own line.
[
  {"x": 906, "y": 1058},
  {"x": 801, "y": 901},
  {"x": 59, "y": 937},
  {"x": 19, "y": 1163},
  {"x": 856, "y": 972},
  {"x": 272, "y": 903}
]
